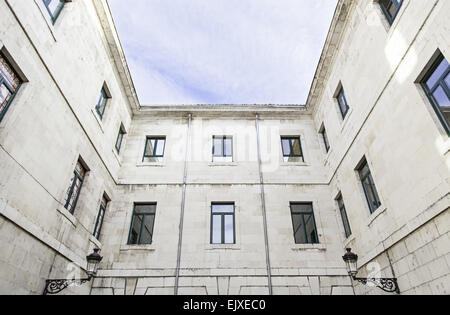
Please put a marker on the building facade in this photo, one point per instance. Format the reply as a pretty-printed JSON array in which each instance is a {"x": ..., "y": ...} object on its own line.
[{"x": 225, "y": 199}]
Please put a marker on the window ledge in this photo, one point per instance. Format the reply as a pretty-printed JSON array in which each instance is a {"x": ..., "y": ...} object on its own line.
[
  {"x": 346, "y": 119},
  {"x": 294, "y": 164},
  {"x": 117, "y": 156},
  {"x": 375, "y": 215},
  {"x": 348, "y": 240},
  {"x": 148, "y": 248},
  {"x": 305, "y": 247},
  {"x": 99, "y": 121},
  {"x": 68, "y": 216},
  {"x": 223, "y": 247},
  {"x": 212, "y": 164},
  {"x": 95, "y": 241},
  {"x": 149, "y": 164},
  {"x": 327, "y": 156}
]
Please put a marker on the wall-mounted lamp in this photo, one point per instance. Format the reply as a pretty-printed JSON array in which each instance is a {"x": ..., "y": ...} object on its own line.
[
  {"x": 57, "y": 285},
  {"x": 386, "y": 284}
]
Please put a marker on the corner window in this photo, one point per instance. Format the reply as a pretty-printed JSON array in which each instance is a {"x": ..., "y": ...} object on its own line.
[
  {"x": 102, "y": 102},
  {"x": 292, "y": 149},
  {"x": 154, "y": 149},
  {"x": 305, "y": 231},
  {"x": 222, "y": 149},
  {"x": 9, "y": 85},
  {"x": 54, "y": 8},
  {"x": 100, "y": 216},
  {"x": 142, "y": 224},
  {"x": 344, "y": 217},
  {"x": 119, "y": 140},
  {"x": 223, "y": 223},
  {"x": 436, "y": 84},
  {"x": 342, "y": 102},
  {"x": 326, "y": 143},
  {"x": 369, "y": 186},
  {"x": 390, "y": 9},
  {"x": 73, "y": 192}
]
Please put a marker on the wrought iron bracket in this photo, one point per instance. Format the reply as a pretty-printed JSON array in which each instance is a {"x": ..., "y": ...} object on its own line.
[
  {"x": 57, "y": 285},
  {"x": 386, "y": 284}
]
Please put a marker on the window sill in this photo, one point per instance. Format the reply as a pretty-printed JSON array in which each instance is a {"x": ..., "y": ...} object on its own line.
[
  {"x": 99, "y": 121},
  {"x": 117, "y": 156},
  {"x": 213, "y": 164},
  {"x": 305, "y": 247},
  {"x": 375, "y": 215},
  {"x": 327, "y": 156},
  {"x": 294, "y": 164},
  {"x": 348, "y": 240},
  {"x": 149, "y": 164},
  {"x": 68, "y": 216},
  {"x": 145, "y": 248},
  {"x": 346, "y": 119},
  {"x": 95, "y": 241},
  {"x": 223, "y": 247}
]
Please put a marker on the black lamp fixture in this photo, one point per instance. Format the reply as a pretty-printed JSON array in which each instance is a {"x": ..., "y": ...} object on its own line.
[
  {"x": 386, "y": 284},
  {"x": 57, "y": 285}
]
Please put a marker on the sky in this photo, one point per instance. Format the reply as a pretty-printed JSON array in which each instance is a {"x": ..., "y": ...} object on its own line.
[{"x": 222, "y": 51}]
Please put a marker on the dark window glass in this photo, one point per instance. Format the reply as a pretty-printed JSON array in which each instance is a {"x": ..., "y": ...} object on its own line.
[
  {"x": 343, "y": 105},
  {"x": 54, "y": 7},
  {"x": 305, "y": 231},
  {"x": 100, "y": 217},
  {"x": 119, "y": 139},
  {"x": 390, "y": 8},
  {"x": 102, "y": 102},
  {"x": 369, "y": 187},
  {"x": 75, "y": 187},
  {"x": 9, "y": 85},
  {"x": 325, "y": 139},
  {"x": 222, "y": 224},
  {"x": 222, "y": 149},
  {"x": 292, "y": 149},
  {"x": 344, "y": 217},
  {"x": 142, "y": 223},
  {"x": 154, "y": 149},
  {"x": 437, "y": 86}
]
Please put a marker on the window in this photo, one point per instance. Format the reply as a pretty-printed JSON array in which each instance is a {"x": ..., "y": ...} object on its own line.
[
  {"x": 100, "y": 216},
  {"x": 369, "y": 187},
  {"x": 222, "y": 224},
  {"x": 142, "y": 223},
  {"x": 102, "y": 102},
  {"x": 344, "y": 217},
  {"x": 154, "y": 149},
  {"x": 305, "y": 231},
  {"x": 75, "y": 187},
  {"x": 390, "y": 8},
  {"x": 9, "y": 85},
  {"x": 437, "y": 86},
  {"x": 292, "y": 149},
  {"x": 54, "y": 8},
  {"x": 326, "y": 143},
  {"x": 222, "y": 149},
  {"x": 342, "y": 101},
  {"x": 120, "y": 139}
]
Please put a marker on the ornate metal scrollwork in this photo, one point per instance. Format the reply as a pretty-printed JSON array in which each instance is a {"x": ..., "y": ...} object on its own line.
[
  {"x": 386, "y": 284},
  {"x": 57, "y": 285}
]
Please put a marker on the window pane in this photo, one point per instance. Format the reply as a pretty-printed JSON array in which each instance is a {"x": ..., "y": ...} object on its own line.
[
  {"x": 371, "y": 194},
  {"x": 80, "y": 170},
  {"x": 218, "y": 147},
  {"x": 299, "y": 229},
  {"x": 149, "y": 149},
  {"x": 5, "y": 95},
  {"x": 229, "y": 229},
  {"x": 286, "y": 143},
  {"x": 216, "y": 229},
  {"x": 301, "y": 208},
  {"x": 441, "y": 98},
  {"x": 447, "y": 80},
  {"x": 228, "y": 147},
  {"x": 8, "y": 74},
  {"x": 135, "y": 230},
  {"x": 296, "y": 147},
  {"x": 145, "y": 209},
  {"x": 147, "y": 230},
  {"x": 160, "y": 147},
  {"x": 437, "y": 74},
  {"x": 223, "y": 208},
  {"x": 310, "y": 228}
]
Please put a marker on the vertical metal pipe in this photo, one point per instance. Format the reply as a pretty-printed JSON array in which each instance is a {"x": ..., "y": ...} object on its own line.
[
  {"x": 263, "y": 207},
  {"x": 183, "y": 202}
]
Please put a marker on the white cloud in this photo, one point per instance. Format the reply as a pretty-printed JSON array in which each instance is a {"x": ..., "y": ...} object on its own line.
[{"x": 222, "y": 51}]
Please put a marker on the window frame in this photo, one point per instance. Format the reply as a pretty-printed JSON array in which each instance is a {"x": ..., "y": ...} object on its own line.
[
  {"x": 326, "y": 142},
  {"x": 344, "y": 113},
  {"x": 100, "y": 216},
  {"x": 222, "y": 218},
  {"x": 372, "y": 206},
  {"x": 100, "y": 108},
  {"x": 157, "y": 139},
  {"x": 76, "y": 177},
  {"x": 223, "y": 142},
  {"x": 291, "y": 148},
  {"x": 133, "y": 216},
  {"x": 344, "y": 216},
  {"x": 120, "y": 136},
  {"x": 54, "y": 15},
  {"x": 4, "y": 81},
  {"x": 439, "y": 83},
  {"x": 385, "y": 10},
  {"x": 302, "y": 214}
]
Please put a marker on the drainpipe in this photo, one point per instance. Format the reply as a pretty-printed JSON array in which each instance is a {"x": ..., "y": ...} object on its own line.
[
  {"x": 183, "y": 202},
  {"x": 263, "y": 207}
]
